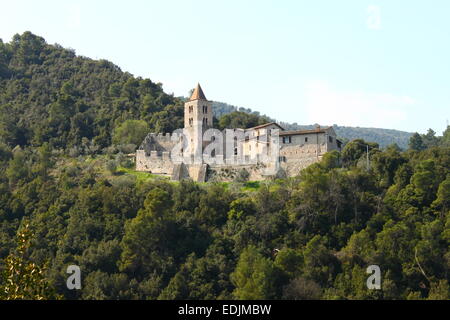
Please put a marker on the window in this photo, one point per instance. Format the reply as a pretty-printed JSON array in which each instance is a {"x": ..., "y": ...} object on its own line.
[
  {"x": 330, "y": 139},
  {"x": 306, "y": 139},
  {"x": 235, "y": 151},
  {"x": 287, "y": 139},
  {"x": 247, "y": 138}
]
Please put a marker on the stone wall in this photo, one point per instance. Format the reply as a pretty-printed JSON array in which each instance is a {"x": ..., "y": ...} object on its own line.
[
  {"x": 198, "y": 172},
  {"x": 293, "y": 166},
  {"x": 154, "y": 156},
  {"x": 302, "y": 150},
  {"x": 154, "y": 163},
  {"x": 257, "y": 172},
  {"x": 159, "y": 142},
  {"x": 298, "y": 157}
]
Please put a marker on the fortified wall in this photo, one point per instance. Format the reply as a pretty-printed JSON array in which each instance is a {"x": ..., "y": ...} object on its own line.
[
  {"x": 154, "y": 153},
  {"x": 297, "y": 149},
  {"x": 295, "y": 158}
]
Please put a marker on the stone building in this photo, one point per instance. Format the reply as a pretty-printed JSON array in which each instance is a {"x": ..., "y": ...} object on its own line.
[{"x": 200, "y": 152}]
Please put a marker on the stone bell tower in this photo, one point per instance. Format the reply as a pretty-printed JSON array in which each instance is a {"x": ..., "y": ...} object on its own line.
[{"x": 198, "y": 117}]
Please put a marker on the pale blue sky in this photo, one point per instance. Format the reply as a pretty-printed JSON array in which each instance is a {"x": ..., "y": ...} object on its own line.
[{"x": 378, "y": 63}]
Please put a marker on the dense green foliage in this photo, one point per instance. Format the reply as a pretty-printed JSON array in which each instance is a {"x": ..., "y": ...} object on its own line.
[
  {"x": 420, "y": 142},
  {"x": 24, "y": 280},
  {"x": 48, "y": 94},
  {"x": 307, "y": 237},
  {"x": 136, "y": 236},
  {"x": 240, "y": 119}
]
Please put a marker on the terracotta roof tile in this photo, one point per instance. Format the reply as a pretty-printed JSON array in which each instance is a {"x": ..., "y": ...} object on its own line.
[
  {"x": 296, "y": 132},
  {"x": 198, "y": 94},
  {"x": 265, "y": 125}
]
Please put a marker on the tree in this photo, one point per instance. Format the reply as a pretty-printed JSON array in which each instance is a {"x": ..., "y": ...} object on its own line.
[
  {"x": 290, "y": 262},
  {"x": 320, "y": 264},
  {"x": 111, "y": 165},
  {"x": 385, "y": 165},
  {"x": 426, "y": 181},
  {"x": 17, "y": 167},
  {"x": 355, "y": 150},
  {"x": 302, "y": 289},
  {"x": 131, "y": 132},
  {"x": 430, "y": 139},
  {"x": 442, "y": 201},
  {"x": 446, "y": 137},
  {"x": 439, "y": 291},
  {"x": 149, "y": 240},
  {"x": 240, "y": 119},
  {"x": 331, "y": 160},
  {"x": 416, "y": 142},
  {"x": 22, "y": 278},
  {"x": 45, "y": 162},
  {"x": 253, "y": 276}
]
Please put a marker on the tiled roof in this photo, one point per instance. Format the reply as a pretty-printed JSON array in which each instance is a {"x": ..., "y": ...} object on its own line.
[
  {"x": 298, "y": 132},
  {"x": 198, "y": 94},
  {"x": 265, "y": 125}
]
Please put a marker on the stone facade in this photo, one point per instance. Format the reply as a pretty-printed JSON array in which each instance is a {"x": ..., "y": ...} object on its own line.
[{"x": 171, "y": 155}]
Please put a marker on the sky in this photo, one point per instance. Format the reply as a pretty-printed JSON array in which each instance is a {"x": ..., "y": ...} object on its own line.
[{"x": 378, "y": 63}]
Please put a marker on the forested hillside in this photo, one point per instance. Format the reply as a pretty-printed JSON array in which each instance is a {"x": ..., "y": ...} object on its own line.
[
  {"x": 309, "y": 237},
  {"x": 48, "y": 94},
  {"x": 69, "y": 196}
]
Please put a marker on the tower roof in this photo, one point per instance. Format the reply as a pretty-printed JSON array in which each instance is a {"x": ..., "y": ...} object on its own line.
[{"x": 198, "y": 94}]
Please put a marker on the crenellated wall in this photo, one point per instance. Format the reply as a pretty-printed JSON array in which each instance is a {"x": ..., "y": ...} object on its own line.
[
  {"x": 159, "y": 142},
  {"x": 295, "y": 158},
  {"x": 154, "y": 155},
  {"x": 154, "y": 163}
]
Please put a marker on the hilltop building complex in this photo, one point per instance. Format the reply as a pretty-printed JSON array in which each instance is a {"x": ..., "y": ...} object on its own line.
[{"x": 202, "y": 153}]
